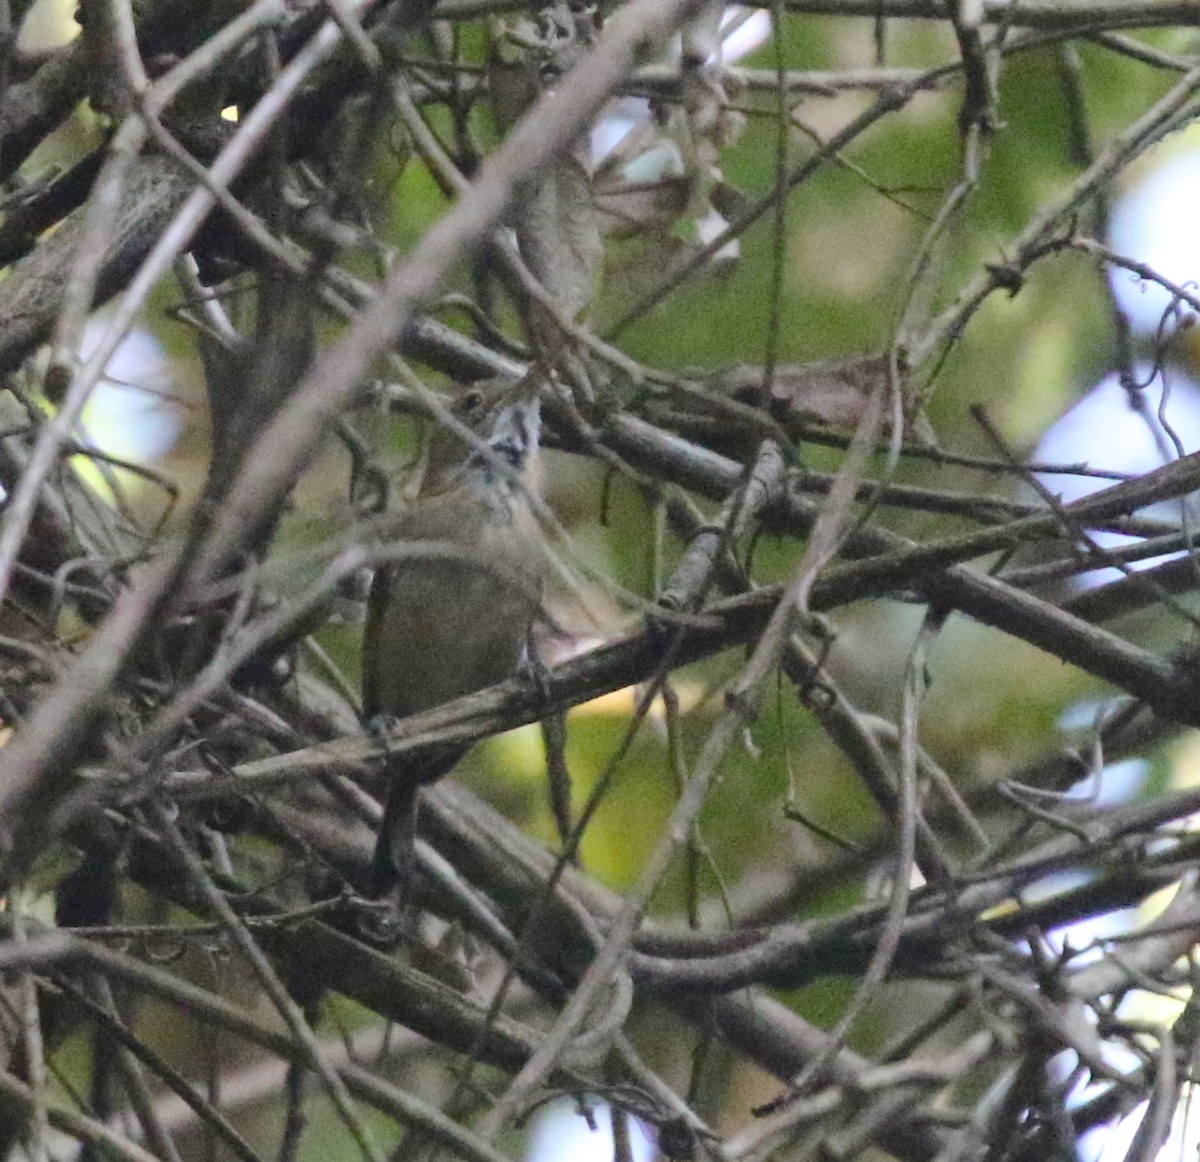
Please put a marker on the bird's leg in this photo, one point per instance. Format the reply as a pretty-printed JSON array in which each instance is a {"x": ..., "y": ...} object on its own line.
[{"x": 534, "y": 672}]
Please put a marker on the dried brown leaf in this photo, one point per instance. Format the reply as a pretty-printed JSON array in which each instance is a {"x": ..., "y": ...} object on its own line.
[{"x": 835, "y": 391}]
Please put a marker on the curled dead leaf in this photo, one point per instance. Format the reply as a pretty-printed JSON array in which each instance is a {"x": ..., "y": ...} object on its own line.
[{"x": 834, "y": 391}]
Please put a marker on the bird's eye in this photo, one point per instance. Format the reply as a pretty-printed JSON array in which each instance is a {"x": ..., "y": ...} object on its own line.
[{"x": 472, "y": 399}]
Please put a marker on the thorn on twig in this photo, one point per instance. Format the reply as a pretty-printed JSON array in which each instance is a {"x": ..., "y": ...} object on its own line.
[
  {"x": 1006, "y": 275},
  {"x": 742, "y": 703}
]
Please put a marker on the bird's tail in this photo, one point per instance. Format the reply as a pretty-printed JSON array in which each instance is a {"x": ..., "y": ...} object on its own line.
[
  {"x": 395, "y": 860},
  {"x": 396, "y": 848}
]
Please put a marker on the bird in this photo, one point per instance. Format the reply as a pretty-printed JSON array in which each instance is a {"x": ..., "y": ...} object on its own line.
[{"x": 440, "y": 626}]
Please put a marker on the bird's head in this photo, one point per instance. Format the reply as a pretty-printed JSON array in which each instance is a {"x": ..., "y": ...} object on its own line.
[{"x": 492, "y": 442}]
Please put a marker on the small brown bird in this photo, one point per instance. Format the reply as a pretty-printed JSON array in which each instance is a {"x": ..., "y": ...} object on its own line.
[{"x": 441, "y": 627}]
